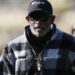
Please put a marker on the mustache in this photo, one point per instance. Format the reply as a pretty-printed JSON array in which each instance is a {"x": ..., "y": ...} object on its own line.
[{"x": 39, "y": 26}]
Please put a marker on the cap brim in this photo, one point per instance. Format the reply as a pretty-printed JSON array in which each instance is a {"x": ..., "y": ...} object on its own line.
[{"x": 39, "y": 9}]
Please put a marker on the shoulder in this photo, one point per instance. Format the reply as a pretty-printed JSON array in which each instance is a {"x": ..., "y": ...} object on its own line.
[
  {"x": 17, "y": 42},
  {"x": 20, "y": 39},
  {"x": 68, "y": 41},
  {"x": 65, "y": 35}
]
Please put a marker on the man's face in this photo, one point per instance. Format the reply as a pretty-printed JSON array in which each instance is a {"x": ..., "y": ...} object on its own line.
[{"x": 39, "y": 23}]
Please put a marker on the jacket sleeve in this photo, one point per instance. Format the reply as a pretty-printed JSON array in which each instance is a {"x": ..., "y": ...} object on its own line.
[
  {"x": 6, "y": 66},
  {"x": 1, "y": 66}
]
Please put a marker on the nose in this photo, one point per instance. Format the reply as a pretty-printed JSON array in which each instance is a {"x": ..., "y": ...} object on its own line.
[{"x": 38, "y": 22}]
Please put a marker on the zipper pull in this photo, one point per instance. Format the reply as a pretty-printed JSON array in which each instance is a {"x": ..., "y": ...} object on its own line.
[{"x": 39, "y": 65}]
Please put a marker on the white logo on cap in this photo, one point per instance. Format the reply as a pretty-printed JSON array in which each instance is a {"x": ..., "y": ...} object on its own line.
[{"x": 37, "y": 3}]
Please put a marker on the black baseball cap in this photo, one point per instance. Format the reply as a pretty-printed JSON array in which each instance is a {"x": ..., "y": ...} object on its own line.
[{"x": 40, "y": 5}]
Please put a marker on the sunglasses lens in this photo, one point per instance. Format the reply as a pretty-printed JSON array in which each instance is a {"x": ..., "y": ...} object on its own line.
[
  {"x": 39, "y": 16},
  {"x": 32, "y": 19}
]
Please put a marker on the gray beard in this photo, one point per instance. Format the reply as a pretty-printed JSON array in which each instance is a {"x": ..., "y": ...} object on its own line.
[{"x": 41, "y": 34}]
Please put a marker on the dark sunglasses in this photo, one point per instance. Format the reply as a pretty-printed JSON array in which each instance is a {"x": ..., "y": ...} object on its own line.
[{"x": 39, "y": 18}]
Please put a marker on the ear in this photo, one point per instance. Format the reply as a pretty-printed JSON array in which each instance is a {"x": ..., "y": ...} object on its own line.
[
  {"x": 52, "y": 18},
  {"x": 27, "y": 18}
]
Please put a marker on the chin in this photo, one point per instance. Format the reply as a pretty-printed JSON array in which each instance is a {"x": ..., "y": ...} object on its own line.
[{"x": 40, "y": 35}]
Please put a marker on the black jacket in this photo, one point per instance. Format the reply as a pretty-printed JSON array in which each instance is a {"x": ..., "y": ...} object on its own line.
[{"x": 19, "y": 56}]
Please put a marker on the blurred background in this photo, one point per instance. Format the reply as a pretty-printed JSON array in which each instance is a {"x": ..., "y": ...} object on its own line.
[{"x": 13, "y": 12}]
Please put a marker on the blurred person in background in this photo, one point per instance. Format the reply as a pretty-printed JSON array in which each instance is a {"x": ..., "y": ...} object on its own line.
[
  {"x": 43, "y": 49},
  {"x": 73, "y": 30}
]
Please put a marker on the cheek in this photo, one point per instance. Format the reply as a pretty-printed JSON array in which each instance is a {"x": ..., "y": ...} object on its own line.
[
  {"x": 49, "y": 22},
  {"x": 46, "y": 24},
  {"x": 31, "y": 23}
]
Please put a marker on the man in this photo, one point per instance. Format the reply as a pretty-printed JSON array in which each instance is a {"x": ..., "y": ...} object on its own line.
[{"x": 42, "y": 49}]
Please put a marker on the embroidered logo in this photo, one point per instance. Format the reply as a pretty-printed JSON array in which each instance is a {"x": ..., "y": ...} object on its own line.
[{"x": 35, "y": 3}]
